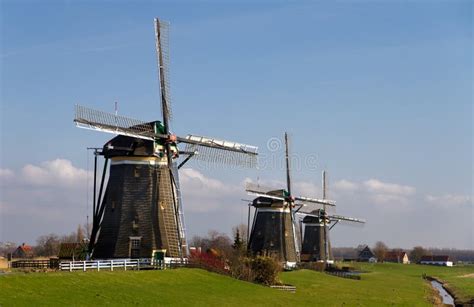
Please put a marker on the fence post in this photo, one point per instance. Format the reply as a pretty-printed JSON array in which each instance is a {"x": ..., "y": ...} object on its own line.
[
  {"x": 84, "y": 266},
  {"x": 98, "y": 265},
  {"x": 138, "y": 264},
  {"x": 111, "y": 265},
  {"x": 125, "y": 265},
  {"x": 70, "y": 266}
]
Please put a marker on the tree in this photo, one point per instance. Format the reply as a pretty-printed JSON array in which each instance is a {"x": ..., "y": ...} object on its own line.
[
  {"x": 47, "y": 245},
  {"x": 79, "y": 234},
  {"x": 242, "y": 229},
  {"x": 216, "y": 241},
  {"x": 417, "y": 253},
  {"x": 238, "y": 243},
  {"x": 380, "y": 250}
]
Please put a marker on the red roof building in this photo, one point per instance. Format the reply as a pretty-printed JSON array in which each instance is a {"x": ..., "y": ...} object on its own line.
[
  {"x": 23, "y": 251},
  {"x": 397, "y": 257}
]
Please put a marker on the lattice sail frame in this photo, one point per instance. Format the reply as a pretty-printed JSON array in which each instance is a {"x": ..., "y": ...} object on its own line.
[
  {"x": 162, "y": 29},
  {"x": 333, "y": 217},
  {"x": 220, "y": 151},
  {"x": 92, "y": 119},
  {"x": 207, "y": 149},
  {"x": 258, "y": 190}
]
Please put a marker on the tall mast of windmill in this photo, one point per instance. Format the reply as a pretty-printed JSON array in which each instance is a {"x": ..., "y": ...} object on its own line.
[
  {"x": 163, "y": 86},
  {"x": 290, "y": 199},
  {"x": 324, "y": 219},
  {"x": 288, "y": 171}
]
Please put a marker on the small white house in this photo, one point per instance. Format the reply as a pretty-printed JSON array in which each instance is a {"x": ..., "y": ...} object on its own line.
[{"x": 436, "y": 260}]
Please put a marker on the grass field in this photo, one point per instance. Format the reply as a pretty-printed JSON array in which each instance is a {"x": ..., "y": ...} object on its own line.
[{"x": 386, "y": 284}]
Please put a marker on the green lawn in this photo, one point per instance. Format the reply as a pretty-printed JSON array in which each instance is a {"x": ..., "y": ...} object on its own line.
[
  {"x": 387, "y": 284},
  {"x": 455, "y": 277}
]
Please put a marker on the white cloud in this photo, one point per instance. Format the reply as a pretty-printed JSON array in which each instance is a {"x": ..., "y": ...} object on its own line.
[
  {"x": 379, "y": 187},
  {"x": 201, "y": 193},
  {"x": 449, "y": 200},
  {"x": 308, "y": 189},
  {"x": 59, "y": 172},
  {"x": 6, "y": 173},
  {"x": 51, "y": 197},
  {"x": 345, "y": 186},
  {"x": 44, "y": 198}
]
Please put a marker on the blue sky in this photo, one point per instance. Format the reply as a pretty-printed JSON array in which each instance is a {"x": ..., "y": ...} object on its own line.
[{"x": 374, "y": 90}]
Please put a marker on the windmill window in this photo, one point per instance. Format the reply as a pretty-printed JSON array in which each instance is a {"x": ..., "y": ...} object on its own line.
[
  {"x": 136, "y": 172},
  {"x": 113, "y": 205},
  {"x": 135, "y": 243}
]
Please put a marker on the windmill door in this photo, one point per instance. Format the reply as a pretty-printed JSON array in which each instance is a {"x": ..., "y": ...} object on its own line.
[{"x": 135, "y": 245}]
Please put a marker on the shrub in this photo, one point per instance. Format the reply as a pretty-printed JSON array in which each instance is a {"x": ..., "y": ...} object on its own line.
[
  {"x": 210, "y": 261},
  {"x": 265, "y": 270}
]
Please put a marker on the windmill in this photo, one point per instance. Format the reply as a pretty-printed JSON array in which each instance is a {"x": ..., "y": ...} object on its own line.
[
  {"x": 316, "y": 245},
  {"x": 139, "y": 210},
  {"x": 274, "y": 230}
]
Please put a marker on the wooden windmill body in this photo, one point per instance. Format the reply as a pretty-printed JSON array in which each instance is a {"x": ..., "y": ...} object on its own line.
[
  {"x": 274, "y": 230},
  {"x": 139, "y": 209},
  {"x": 316, "y": 225},
  {"x": 316, "y": 245}
]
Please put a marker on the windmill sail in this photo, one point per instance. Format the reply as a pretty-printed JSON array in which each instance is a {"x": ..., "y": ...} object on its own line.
[
  {"x": 91, "y": 119},
  {"x": 208, "y": 149},
  {"x": 258, "y": 190},
  {"x": 220, "y": 151},
  {"x": 163, "y": 60},
  {"x": 345, "y": 218}
]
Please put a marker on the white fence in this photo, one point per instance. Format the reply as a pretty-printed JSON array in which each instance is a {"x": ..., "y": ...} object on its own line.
[{"x": 125, "y": 264}]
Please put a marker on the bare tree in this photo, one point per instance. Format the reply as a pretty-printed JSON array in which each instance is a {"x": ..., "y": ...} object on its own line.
[
  {"x": 79, "y": 234},
  {"x": 47, "y": 245},
  {"x": 417, "y": 253},
  {"x": 214, "y": 240},
  {"x": 380, "y": 250}
]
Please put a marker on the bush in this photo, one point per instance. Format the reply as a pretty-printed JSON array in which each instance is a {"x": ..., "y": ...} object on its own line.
[
  {"x": 261, "y": 269},
  {"x": 265, "y": 270},
  {"x": 210, "y": 261}
]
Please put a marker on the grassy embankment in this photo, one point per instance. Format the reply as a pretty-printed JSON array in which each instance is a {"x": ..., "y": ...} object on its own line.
[{"x": 386, "y": 284}]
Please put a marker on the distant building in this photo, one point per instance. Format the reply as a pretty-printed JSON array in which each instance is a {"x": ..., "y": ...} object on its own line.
[
  {"x": 365, "y": 254},
  {"x": 397, "y": 257},
  {"x": 436, "y": 260},
  {"x": 23, "y": 251}
]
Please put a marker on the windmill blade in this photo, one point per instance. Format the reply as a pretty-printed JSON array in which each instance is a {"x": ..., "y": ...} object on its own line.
[
  {"x": 303, "y": 214},
  {"x": 345, "y": 218},
  {"x": 220, "y": 151},
  {"x": 258, "y": 188},
  {"x": 262, "y": 191},
  {"x": 287, "y": 160},
  {"x": 264, "y": 195},
  {"x": 163, "y": 60},
  {"x": 88, "y": 118},
  {"x": 316, "y": 201}
]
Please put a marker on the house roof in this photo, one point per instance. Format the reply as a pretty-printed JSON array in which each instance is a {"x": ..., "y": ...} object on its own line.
[
  {"x": 365, "y": 253},
  {"x": 25, "y": 248},
  {"x": 435, "y": 258},
  {"x": 395, "y": 255}
]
